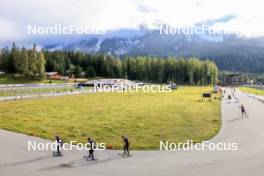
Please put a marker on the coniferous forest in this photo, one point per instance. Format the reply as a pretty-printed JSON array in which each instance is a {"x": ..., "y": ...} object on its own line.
[{"x": 33, "y": 64}]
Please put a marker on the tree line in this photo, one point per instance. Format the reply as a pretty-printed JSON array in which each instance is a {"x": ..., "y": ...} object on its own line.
[
  {"x": 27, "y": 62},
  {"x": 33, "y": 64}
]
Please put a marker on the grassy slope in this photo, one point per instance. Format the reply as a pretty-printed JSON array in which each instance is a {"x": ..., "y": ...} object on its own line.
[
  {"x": 252, "y": 90},
  {"x": 146, "y": 118}
]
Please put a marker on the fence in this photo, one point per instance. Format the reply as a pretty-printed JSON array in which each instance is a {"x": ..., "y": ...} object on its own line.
[
  {"x": 8, "y": 87},
  {"x": 43, "y": 94}
]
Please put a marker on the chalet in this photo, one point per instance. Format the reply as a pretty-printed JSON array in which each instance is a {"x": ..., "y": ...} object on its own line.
[{"x": 53, "y": 75}]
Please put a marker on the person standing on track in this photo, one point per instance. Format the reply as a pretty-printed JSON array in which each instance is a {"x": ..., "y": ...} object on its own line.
[
  {"x": 91, "y": 151},
  {"x": 59, "y": 145},
  {"x": 243, "y": 111},
  {"x": 126, "y": 145}
]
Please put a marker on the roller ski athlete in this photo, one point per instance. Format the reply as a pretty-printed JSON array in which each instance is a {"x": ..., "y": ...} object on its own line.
[
  {"x": 91, "y": 151},
  {"x": 58, "y": 145},
  {"x": 126, "y": 146},
  {"x": 243, "y": 111}
]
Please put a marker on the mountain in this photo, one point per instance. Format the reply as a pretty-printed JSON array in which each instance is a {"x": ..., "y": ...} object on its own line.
[{"x": 230, "y": 52}]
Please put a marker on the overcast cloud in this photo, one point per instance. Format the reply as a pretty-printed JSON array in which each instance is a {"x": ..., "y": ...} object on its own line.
[{"x": 247, "y": 16}]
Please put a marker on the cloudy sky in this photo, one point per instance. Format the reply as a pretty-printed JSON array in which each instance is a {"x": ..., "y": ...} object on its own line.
[{"x": 243, "y": 16}]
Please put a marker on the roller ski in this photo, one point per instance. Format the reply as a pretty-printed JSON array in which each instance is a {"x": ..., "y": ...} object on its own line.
[
  {"x": 123, "y": 155},
  {"x": 89, "y": 158},
  {"x": 56, "y": 154}
]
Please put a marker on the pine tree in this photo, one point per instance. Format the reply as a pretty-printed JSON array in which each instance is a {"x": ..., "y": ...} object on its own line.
[
  {"x": 12, "y": 62},
  {"x": 32, "y": 58},
  {"x": 22, "y": 62},
  {"x": 40, "y": 66}
]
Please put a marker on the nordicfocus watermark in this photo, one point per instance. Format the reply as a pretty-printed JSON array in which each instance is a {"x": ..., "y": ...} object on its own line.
[
  {"x": 187, "y": 30},
  {"x": 59, "y": 29},
  {"x": 189, "y": 145},
  {"x": 131, "y": 88},
  {"x": 72, "y": 145}
]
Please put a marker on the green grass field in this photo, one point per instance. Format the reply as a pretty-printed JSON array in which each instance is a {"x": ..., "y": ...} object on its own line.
[
  {"x": 10, "y": 79},
  {"x": 252, "y": 90},
  {"x": 146, "y": 118}
]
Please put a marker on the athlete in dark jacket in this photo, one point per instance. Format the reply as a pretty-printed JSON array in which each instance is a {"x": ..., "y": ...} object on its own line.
[
  {"x": 59, "y": 145},
  {"x": 126, "y": 145},
  {"x": 243, "y": 111},
  {"x": 91, "y": 151}
]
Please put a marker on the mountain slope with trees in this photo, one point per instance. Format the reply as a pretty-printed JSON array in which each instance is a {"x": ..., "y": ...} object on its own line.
[{"x": 229, "y": 52}]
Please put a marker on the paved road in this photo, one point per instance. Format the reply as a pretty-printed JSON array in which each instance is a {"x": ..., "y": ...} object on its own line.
[{"x": 248, "y": 160}]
